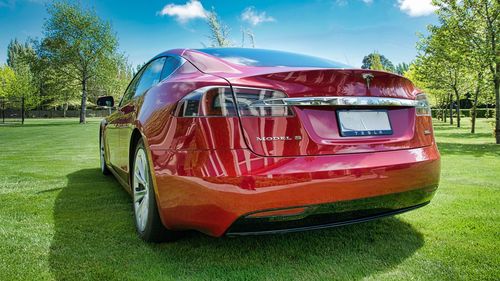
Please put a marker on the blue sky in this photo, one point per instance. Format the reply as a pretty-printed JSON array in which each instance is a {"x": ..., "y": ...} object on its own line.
[{"x": 342, "y": 30}]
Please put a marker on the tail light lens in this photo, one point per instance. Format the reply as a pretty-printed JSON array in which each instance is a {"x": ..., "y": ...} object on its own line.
[
  {"x": 249, "y": 103},
  {"x": 218, "y": 101},
  {"x": 206, "y": 102},
  {"x": 423, "y": 107}
]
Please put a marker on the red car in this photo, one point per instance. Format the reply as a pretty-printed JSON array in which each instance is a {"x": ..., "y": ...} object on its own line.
[{"x": 234, "y": 141}]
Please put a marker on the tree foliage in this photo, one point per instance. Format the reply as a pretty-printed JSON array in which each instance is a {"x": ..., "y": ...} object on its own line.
[
  {"x": 401, "y": 68},
  {"x": 368, "y": 61},
  {"x": 7, "y": 81},
  {"x": 21, "y": 59},
  {"x": 442, "y": 65},
  {"x": 219, "y": 36},
  {"x": 19, "y": 55},
  {"x": 376, "y": 63}
]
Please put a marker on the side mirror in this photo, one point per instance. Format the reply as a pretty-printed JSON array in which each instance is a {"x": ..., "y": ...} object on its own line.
[{"x": 106, "y": 101}]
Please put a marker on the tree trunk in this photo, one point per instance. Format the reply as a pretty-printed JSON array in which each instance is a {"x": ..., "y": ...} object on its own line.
[
  {"x": 65, "y": 109},
  {"x": 83, "y": 110},
  {"x": 474, "y": 105},
  {"x": 443, "y": 112},
  {"x": 451, "y": 109},
  {"x": 497, "y": 107},
  {"x": 22, "y": 110},
  {"x": 458, "y": 107}
]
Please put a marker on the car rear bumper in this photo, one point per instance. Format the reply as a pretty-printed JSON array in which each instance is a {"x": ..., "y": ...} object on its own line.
[
  {"x": 332, "y": 214},
  {"x": 236, "y": 192}
]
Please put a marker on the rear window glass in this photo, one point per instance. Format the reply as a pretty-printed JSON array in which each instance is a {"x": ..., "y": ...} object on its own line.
[{"x": 269, "y": 58}]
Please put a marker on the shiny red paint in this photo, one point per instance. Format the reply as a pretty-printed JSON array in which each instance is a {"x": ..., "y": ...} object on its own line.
[{"x": 210, "y": 171}]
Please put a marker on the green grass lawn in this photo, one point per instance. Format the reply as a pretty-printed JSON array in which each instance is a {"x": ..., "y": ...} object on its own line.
[{"x": 61, "y": 219}]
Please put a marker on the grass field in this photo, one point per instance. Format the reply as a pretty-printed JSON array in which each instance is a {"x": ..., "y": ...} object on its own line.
[{"x": 61, "y": 219}]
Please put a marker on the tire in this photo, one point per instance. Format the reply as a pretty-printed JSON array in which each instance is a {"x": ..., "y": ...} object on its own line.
[
  {"x": 147, "y": 219},
  {"x": 102, "y": 153}
]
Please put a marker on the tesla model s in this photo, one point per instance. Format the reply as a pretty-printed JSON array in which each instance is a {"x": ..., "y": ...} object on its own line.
[{"x": 235, "y": 141}]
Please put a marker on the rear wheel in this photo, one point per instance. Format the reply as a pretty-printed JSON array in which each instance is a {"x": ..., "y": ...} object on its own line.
[
  {"x": 147, "y": 219},
  {"x": 102, "y": 152}
]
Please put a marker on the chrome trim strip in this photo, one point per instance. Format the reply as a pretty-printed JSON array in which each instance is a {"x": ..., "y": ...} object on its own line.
[{"x": 337, "y": 101}]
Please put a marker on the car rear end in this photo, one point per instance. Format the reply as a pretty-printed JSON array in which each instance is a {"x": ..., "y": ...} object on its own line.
[{"x": 295, "y": 149}]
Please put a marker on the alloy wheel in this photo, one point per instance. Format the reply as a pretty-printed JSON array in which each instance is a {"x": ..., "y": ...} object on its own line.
[{"x": 141, "y": 187}]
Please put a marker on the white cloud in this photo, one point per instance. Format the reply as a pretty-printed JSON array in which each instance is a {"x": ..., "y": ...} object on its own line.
[
  {"x": 417, "y": 8},
  {"x": 193, "y": 9},
  {"x": 253, "y": 17},
  {"x": 368, "y": 1}
]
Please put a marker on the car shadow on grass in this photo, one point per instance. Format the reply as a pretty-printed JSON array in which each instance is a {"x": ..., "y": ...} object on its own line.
[{"x": 95, "y": 239}]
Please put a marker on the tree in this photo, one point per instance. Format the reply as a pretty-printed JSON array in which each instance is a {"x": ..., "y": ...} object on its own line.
[
  {"x": 7, "y": 79},
  {"x": 434, "y": 78},
  {"x": 386, "y": 63},
  {"x": 402, "y": 68},
  {"x": 443, "y": 64},
  {"x": 19, "y": 55},
  {"x": 437, "y": 95},
  {"x": 112, "y": 79},
  {"x": 56, "y": 89},
  {"x": 219, "y": 36},
  {"x": 78, "y": 42},
  {"x": 376, "y": 63},
  {"x": 479, "y": 22},
  {"x": 21, "y": 58}
]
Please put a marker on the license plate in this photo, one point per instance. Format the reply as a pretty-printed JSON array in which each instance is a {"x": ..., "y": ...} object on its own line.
[{"x": 359, "y": 123}]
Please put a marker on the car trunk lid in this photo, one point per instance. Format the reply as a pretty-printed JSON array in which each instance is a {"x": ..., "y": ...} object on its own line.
[{"x": 294, "y": 112}]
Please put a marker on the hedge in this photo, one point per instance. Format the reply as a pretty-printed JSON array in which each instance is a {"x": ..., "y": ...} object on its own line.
[{"x": 480, "y": 112}]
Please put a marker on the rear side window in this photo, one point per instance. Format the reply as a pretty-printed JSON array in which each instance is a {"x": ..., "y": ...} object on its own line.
[
  {"x": 150, "y": 76},
  {"x": 171, "y": 64}
]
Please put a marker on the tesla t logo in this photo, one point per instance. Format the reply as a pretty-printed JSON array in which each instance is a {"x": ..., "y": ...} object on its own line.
[
  {"x": 285, "y": 138},
  {"x": 368, "y": 78}
]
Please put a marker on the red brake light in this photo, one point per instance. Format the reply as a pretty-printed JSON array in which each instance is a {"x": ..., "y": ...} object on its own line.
[
  {"x": 248, "y": 100},
  {"x": 206, "y": 102},
  {"x": 218, "y": 101}
]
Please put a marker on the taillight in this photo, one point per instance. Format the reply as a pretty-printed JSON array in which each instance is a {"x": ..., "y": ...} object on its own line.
[
  {"x": 218, "y": 101},
  {"x": 423, "y": 107},
  {"x": 250, "y": 103},
  {"x": 206, "y": 102}
]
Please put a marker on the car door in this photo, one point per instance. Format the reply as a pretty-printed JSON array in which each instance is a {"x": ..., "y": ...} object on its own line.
[
  {"x": 115, "y": 122},
  {"x": 149, "y": 77}
]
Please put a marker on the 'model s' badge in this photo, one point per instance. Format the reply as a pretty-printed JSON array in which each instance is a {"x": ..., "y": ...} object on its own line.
[{"x": 285, "y": 138}]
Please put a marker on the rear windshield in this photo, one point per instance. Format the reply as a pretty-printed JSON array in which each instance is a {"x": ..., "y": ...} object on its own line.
[{"x": 271, "y": 58}]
